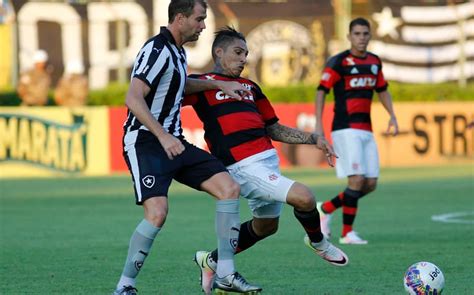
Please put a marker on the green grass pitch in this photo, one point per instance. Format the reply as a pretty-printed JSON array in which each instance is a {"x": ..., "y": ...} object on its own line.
[{"x": 70, "y": 236}]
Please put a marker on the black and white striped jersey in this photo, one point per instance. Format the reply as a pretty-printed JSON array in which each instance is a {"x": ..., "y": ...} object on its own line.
[{"x": 162, "y": 66}]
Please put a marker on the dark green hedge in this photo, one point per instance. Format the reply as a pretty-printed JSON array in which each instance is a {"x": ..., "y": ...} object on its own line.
[
  {"x": 10, "y": 98},
  {"x": 399, "y": 91},
  {"x": 114, "y": 94}
]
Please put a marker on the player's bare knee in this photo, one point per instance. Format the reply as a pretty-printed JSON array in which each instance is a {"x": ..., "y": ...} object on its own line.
[
  {"x": 370, "y": 186},
  {"x": 357, "y": 182},
  {"x": 306, "y": 200},
  {"x": 222, "y": 186},
  {"x": 229, "y": 192},
  {"x": 232, "y": 191},
  {"x": 301, "y": 197},
  {"x": 157, "y": 217},
  {"x": 156, "y": 211}
]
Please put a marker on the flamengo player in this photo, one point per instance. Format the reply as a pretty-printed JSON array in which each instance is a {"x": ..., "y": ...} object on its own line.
[
  {"x": 240, "y": 134},
  {"x": 354, "y": 74}
]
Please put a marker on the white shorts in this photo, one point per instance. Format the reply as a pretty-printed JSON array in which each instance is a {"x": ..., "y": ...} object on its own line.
[
  {"x": 261, "y": 183},
  {"x": 357, "y": 153}
]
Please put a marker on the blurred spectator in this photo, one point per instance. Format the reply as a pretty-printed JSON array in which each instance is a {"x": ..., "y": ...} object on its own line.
[
  {"x": 470, "y": 125},
  {"x": 72, "y": 89},
  {"x": 34, "y": 83},
  {"x": 7, "y": 15}
]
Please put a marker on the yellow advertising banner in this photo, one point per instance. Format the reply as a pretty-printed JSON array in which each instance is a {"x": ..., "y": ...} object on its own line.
[
  {"x": 433, "y": 133},
  {"x": 52, "y": 141},
  {"x": 6, "y": 56}
]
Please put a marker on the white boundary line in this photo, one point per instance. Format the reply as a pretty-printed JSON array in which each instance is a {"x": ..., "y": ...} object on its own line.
[{"x": 454, "y": 217}]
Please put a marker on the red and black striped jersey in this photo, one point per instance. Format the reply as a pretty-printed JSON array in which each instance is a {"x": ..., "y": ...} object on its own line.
[
  {"x": 233, "y": 129},
  {"x": 354, "y": 80}
]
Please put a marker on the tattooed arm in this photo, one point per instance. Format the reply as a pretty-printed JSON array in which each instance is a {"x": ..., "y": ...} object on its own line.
[
  {"x": 287, "y": 134},
  {"x": 290, "y": 135}
]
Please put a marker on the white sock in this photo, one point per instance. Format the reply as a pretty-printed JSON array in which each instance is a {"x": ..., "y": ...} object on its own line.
[
  {"x": 323, "y": 245},
  {"x": 138, "y": 249},
  {"x": 225, "y": 267},
  {"x": 227, "y": 229}
]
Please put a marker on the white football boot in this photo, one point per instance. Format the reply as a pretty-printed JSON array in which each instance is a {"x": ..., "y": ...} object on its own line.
[
  {"x": 126, "y": 290},
  {"x": 208, "y": 268},
  {"x": 235, "y": 283},
  {"x": 352, "y": 238},
  {"x": 327, "y": 251}
]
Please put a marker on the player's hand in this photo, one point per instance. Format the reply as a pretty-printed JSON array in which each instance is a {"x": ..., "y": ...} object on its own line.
[
  {"x": 320, "y": 134},
  {"x": 392, "y": 125},
  {"x": 324, "y": 145},
  {"x": 172, "y": 146},
  {"x": 235, "y": 90}
]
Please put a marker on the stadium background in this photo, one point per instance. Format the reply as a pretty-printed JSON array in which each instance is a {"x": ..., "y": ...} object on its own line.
[{"x": 421, "y": 41}]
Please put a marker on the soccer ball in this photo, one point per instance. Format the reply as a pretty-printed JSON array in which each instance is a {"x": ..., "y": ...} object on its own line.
[{"x": 424, "y": 278}]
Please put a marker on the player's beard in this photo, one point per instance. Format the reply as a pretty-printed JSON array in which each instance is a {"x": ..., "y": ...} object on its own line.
[
  {"x": 237, "y": 72},
  {"x": 194, "y": 37}
]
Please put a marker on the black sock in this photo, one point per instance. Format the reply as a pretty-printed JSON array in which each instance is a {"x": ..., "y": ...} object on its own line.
[
  {"x": 247, "y": 238},
  {"x": 349, "y": 209},
  {"x": 330, "y": 206},
  {"x": 311, "y": 224}
]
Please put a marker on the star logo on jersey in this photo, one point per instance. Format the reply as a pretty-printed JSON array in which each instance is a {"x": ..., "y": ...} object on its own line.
[
  {"x": 272, "y": 177},
  {"x": 148, "y": 181},
  {"x": 350, "y": 61},
  {"x": 210, "y": 77}
]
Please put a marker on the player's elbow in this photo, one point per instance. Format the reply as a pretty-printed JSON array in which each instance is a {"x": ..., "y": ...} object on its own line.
[{"x": 129, "y": 101}]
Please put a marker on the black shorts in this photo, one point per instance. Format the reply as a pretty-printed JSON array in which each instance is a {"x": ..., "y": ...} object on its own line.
[{"x": 152, "y": 170}]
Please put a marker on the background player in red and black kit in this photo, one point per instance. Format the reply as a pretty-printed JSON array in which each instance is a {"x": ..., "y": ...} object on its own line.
[
  {"x": 354, "y": 74},
  {"x": 239, "y": 132}
]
